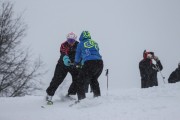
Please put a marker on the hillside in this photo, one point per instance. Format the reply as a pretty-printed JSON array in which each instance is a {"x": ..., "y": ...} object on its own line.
[{"x": 156, "y": 103}]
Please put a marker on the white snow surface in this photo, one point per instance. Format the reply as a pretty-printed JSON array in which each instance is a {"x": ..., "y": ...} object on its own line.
[{"x": 155, "y": 103}]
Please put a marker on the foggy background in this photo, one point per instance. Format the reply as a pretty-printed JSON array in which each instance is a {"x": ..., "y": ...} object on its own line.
[{"x": 122, "y": 28}]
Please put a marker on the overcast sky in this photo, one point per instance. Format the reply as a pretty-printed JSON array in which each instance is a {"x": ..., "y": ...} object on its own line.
[{"x": 122, "y": 28}]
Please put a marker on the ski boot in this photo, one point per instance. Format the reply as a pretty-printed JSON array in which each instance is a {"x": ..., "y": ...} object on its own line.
[{"x": 49, "y": 100}]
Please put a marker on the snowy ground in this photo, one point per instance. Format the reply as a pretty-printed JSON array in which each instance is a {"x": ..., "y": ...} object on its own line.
[{"x": 157, "y": 103}]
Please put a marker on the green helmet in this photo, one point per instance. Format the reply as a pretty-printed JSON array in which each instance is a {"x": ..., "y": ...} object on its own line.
[{"x": 85, "y": 35}]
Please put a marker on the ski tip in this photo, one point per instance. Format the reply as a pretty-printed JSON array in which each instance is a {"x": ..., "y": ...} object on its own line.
[{"x": 42, "y": 106}]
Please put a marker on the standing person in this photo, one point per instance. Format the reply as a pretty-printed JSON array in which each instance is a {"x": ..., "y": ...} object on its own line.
[
  {"x": 67, "y": 50},
  {"x": 88, "y": 50},
  {"x": 148, "y": 70},
  {"x": 175, "y": 75}
]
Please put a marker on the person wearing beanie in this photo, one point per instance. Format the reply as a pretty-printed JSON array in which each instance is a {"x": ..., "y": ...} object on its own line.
[
  {"x": 148, "y": 70},
  {"x": 175, "y": 75}
]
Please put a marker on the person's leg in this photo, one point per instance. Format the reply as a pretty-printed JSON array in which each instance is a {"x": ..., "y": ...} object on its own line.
[
  {"x": 73, "y": 87},
  {"x": 91, "y": 70},
  {"x": 96, "y": 72},
  {"x": 86, "y": 85},
  {"x": 155, "y": 82},
  {"x": 59, "y": 75},
  {"x": 149, "y": 82},
  {"x": 143, "y": 83},
  {"x": 83, "y": 75},
  {"x": 91, "y": 89}
]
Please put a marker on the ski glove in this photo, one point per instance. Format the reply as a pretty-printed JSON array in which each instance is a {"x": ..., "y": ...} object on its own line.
[
  {"x": 149, "y": 56},
  {"x": 156, "y": 58},
  {"x": 66, "y": 60}
]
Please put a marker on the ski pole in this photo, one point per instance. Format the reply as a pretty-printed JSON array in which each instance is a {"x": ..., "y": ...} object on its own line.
[
  {"x": 160, "y": 73},
  {"x": 107, "y": 72}
]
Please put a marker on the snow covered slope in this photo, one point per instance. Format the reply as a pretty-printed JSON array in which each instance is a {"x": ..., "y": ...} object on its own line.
[{"x": 156, "y": 103}]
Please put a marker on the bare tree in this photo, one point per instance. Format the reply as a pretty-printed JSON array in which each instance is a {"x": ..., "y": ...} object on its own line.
[{"x": 17, "y": 73}]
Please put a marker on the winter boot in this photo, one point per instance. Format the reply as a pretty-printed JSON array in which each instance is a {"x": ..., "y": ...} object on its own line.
[{"x": 49, "y": 99}]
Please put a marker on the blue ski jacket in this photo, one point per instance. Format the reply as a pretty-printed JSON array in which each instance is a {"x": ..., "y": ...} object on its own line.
[{"x": 87, "y": 49}]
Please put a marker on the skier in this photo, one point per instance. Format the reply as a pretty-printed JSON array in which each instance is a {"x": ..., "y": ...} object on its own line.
[
  {"x": 175, "y": 75},
  {"x": 88, "y": 50},
  {"x": 148, "y": 70},
  {"x": 67, "y": 51}
]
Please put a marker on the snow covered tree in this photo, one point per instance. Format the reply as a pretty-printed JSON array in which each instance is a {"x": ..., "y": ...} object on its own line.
[{"x": 17, "y": 73}]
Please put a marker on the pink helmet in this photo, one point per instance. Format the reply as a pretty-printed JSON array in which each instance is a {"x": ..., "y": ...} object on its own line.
[{"x": 71, "y": 35}]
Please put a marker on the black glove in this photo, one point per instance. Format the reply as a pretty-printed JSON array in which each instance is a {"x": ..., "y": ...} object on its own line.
[
  {"x": 77, "y": 65},
  {"x": 156, "y": 58}
]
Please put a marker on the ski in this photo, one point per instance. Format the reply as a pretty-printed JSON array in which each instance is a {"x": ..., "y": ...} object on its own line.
[
  {"x": 74, "y": 103},
  {"x": 70, "y": 98},
  {"x": 67, "y": 98},
  {"x": 42, "y": 106}
]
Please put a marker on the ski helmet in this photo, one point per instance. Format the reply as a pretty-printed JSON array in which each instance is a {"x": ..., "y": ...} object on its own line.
[
  {"x": 71, "y": 37},
  {"x": 85, "y": 35},
  {"x": 145, "y": 53}
]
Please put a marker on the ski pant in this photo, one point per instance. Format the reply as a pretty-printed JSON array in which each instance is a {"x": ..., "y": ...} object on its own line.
[
  {"x": 145, "y": 83},
  {"x": 91, "y": 71},
  {"x": 87, "y": 83},
  {"x": 59, "y": 75}
]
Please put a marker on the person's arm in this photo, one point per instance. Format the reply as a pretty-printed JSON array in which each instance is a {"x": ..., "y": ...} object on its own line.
[
  {"x": 159, "y": 65},
  {"x": 78, "y": 54},
  {"x": 144, "y": 70},
  {"x": 64, "y": 49}
]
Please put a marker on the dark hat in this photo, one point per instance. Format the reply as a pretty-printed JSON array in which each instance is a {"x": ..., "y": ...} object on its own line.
[{"x": 145, "y": 53}]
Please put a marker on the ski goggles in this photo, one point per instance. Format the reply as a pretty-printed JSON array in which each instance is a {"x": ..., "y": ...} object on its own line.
[{"x": 70, "y": 41}]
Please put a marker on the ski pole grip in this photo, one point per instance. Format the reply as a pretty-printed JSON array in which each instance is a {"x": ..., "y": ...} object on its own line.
[{"x": 107, "y": 72}]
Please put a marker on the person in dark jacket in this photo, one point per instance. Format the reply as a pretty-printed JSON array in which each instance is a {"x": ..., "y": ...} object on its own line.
[
  {"x": 88, "y": 51},
  {"x": 148, "y": 70},
  {"x": 67, "y": 50},
  {"x": 175, "y": 75}
]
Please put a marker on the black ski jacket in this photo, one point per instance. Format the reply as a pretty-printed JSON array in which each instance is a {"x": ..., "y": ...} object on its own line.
[
  {"x": 174, "y": 76},
  {"x": 148, "y": 72},
  {"x": 67, "y": 49}
]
